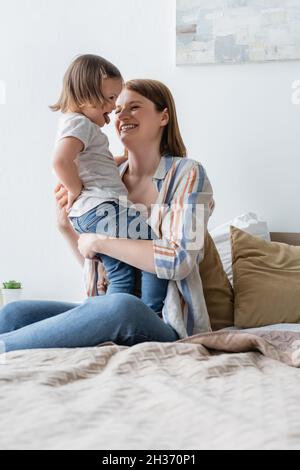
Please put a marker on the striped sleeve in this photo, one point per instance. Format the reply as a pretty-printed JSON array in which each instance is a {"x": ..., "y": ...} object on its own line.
[{"x": 183, "y": 223}]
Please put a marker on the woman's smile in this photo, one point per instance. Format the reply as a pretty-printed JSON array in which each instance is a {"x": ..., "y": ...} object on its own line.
[{"x": 126, "y": 128}]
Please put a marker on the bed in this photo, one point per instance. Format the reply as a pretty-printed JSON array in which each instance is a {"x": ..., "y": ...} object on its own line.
[{"x": 226, "y": 390}]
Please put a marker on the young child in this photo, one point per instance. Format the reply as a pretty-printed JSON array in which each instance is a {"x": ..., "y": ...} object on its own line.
[{"x": 86, "y": 167}]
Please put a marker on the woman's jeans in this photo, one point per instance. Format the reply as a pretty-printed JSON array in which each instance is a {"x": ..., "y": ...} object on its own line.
[
  {"x": 121, "y": 318},
  {"x": 114, "y": 220}
]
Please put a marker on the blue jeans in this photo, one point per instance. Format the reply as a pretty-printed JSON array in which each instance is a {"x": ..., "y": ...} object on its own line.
[
  {"x": 114, "y": 220},
  {"x": 121, "y": 318}
]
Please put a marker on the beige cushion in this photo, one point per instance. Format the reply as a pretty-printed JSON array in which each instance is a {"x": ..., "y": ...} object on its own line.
[
  {"x": 266, "y": 280},
  {"x": 217, "y": 289}
]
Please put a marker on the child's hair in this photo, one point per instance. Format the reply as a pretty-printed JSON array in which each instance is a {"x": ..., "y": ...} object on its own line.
[
  {"x": 155, "y": 91},
  {"x": 82, "y": 83}
]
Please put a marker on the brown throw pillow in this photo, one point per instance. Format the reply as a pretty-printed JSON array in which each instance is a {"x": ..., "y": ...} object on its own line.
[
  {"x": 217, "y": 289},
  {"x": 266, "y": 281}
]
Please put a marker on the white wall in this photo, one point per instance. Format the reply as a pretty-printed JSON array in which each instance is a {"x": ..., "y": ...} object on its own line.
[{"x": 237, "y": 120}]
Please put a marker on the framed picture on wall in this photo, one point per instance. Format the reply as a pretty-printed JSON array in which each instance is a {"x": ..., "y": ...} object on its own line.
[{"x": 237, "y": 31}]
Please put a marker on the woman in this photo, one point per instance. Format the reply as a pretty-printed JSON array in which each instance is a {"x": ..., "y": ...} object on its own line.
[{"x": 177, "y": 190}]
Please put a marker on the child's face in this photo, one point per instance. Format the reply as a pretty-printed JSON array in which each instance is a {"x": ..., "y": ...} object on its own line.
[{"x": 111, "y": 88}]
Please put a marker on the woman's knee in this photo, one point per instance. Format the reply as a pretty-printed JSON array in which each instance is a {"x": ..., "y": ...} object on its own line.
[
  {"x": 118, "y": 299},
  {"x": 124, "y": 308},
  {"x": 128, "y": 308},
  {"x": 10, "y": 315},
  {"x": 126, "y": 301}
]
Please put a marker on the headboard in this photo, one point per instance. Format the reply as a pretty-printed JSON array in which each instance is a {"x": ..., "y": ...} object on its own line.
[{"x": 283, "y": 237}]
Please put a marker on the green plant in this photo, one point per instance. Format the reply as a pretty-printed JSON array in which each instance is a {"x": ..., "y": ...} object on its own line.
[{"x": 12, "y": 285}]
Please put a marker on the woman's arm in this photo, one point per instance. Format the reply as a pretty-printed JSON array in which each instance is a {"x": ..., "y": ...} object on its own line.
[
  {"x": 64, "y": 224},
  {"x": 65, "y": 167},
  {"x": 189, "y": 199},
  {"x": 182, "y": 226},
  {"x": 137, "y": 253},
  {"x": 72, "y": 238}
]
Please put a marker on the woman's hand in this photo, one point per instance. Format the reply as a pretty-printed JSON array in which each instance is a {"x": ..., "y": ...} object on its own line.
[
  {"x": 71, "y": 199},
  {"x": 121, "y": 159},
  {"x": 61, "y": 195},
  {"x": 89, "y": 244},
  {"x": 87, "y": 249}
]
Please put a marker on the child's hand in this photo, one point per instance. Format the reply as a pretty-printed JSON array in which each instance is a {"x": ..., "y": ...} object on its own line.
[{"x": 71, "y": 199}]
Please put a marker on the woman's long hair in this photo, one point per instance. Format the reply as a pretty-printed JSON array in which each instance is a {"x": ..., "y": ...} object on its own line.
[{"x": 155, "y": 91}]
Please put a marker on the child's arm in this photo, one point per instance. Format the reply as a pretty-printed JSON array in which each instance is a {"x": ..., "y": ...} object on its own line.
[{"x": 65, "y": 167}]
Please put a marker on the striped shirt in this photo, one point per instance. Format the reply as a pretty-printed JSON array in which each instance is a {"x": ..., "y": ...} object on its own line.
[{"x": 179, "y": 217}]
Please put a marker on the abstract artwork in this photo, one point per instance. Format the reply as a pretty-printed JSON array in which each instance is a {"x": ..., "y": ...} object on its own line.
[{"x": 237, "y": 31}]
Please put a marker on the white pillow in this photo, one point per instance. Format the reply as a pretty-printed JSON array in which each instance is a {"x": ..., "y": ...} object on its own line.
[{"x": 250, "y": 223}]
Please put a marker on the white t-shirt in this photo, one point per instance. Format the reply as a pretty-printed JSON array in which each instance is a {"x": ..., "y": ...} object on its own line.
[{"x": 96, "y": 166}]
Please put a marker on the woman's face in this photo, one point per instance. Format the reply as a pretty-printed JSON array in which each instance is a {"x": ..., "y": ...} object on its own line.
[{"x": 137, "y": 120}]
